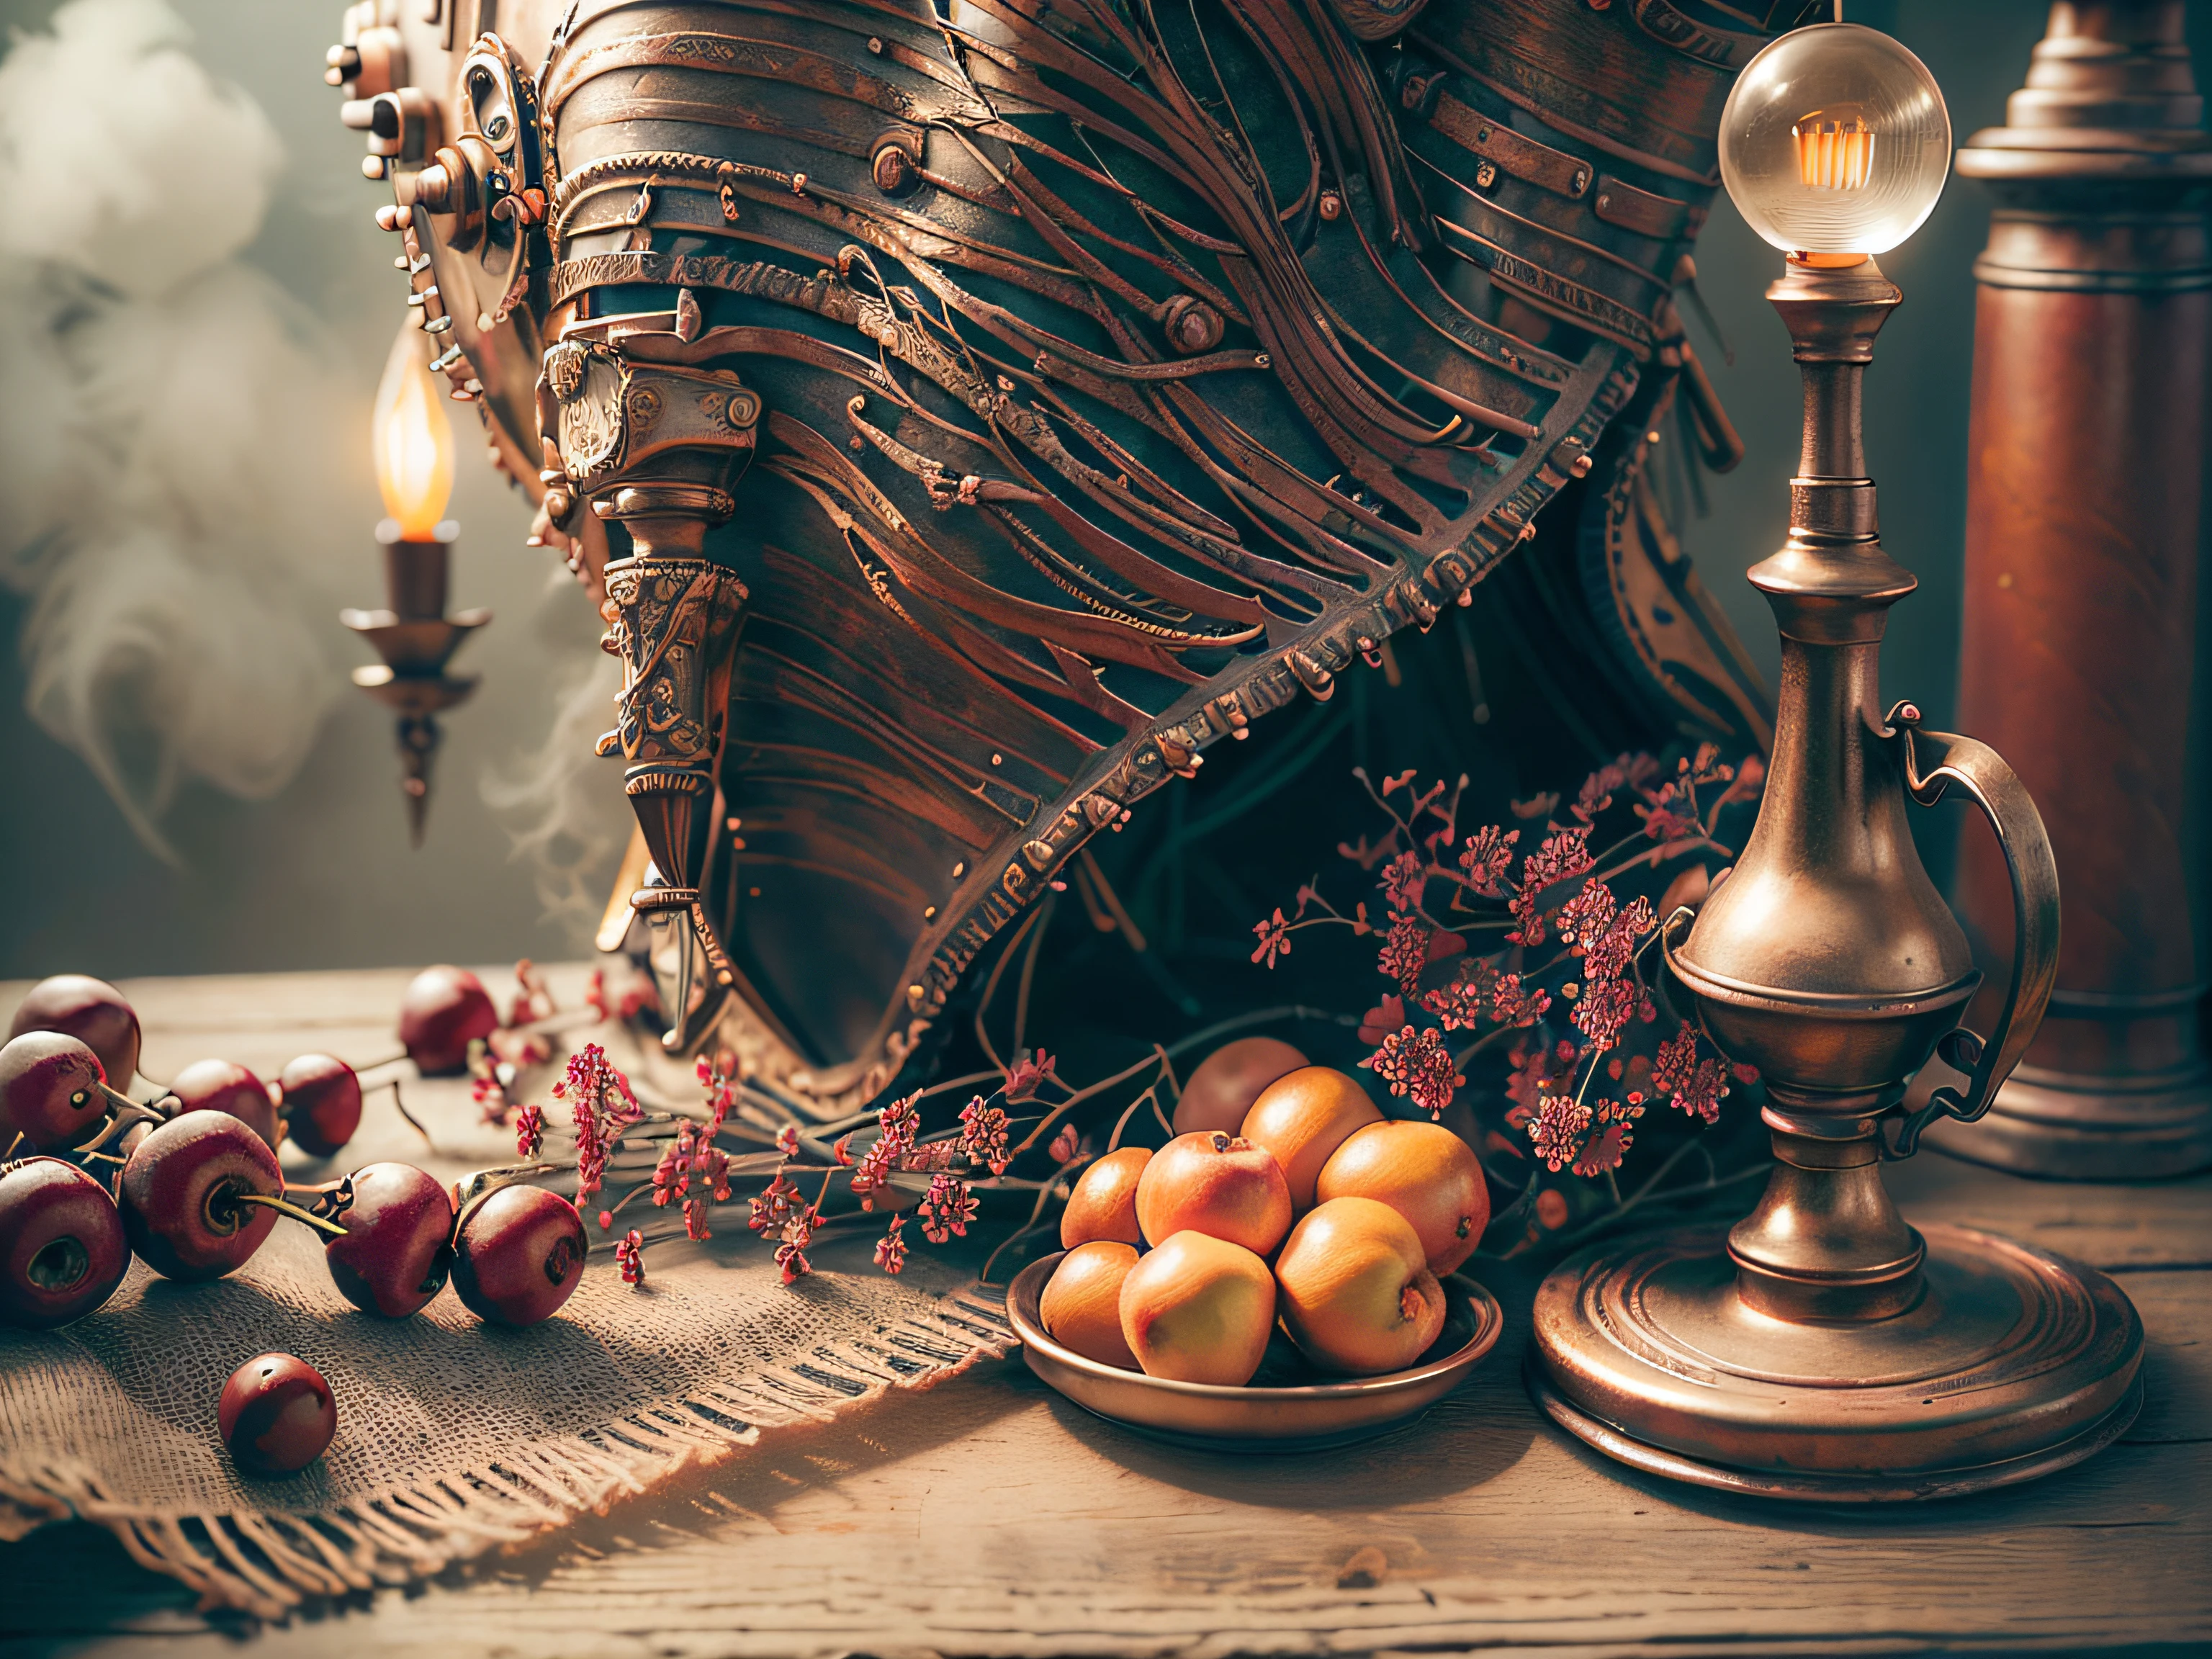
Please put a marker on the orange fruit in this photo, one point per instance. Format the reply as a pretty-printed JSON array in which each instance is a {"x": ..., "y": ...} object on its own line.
[
  {"x": 1198, "y": 1310},
  {"x": 1426, "y": 1174},
  {"x": 1216, "y": 1184},
  {"x": 1082, "y": 1303},
  {"x": 1104, "y": 1204},
  {"x": 1356, "y": 1294},
  {"x": 1228, "y": 1080},
  {"x": 1304, "y": 1116}
]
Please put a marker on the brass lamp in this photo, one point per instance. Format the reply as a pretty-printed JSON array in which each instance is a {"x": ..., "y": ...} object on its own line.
[
  {"x": 1823, "y": 1349},
  {"x": 413, "y": 443}
]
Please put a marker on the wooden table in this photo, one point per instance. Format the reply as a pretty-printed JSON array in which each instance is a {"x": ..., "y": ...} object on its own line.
[{"x": 991, "y": 1516}]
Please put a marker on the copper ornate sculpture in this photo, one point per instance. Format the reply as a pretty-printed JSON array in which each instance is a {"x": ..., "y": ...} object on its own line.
[
  {"x": 971, "y": 415},
  {"x": 2084, "y": 524},
  {"x": 1823, "y": 1349}
]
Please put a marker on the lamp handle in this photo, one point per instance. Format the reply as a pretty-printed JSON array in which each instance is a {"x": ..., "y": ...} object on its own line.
[{"x": 1933, "y": 761}]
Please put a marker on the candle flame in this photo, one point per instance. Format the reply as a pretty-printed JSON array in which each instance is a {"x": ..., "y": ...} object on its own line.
[{"x": 413, "y": 439}]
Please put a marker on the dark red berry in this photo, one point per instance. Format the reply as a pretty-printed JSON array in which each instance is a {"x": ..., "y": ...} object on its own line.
[
  {"x": 90, "y": 1010},
  {"x": 62, "y": 1249},
  {"x": 220, "y": 1085},
  {"x": 398, "y": 1251},
  {"x": 318, "y": 1097},
  {"x": 519, "y": 1254},
  {"x": 180, "y": 1191},
  {"x": 49, "y": 1091},
  {"x": 276, "y": 1415},
  {"x": 445, "y": 1009}
]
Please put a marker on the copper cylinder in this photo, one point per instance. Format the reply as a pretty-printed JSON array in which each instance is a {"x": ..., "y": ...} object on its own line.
[{"x": 2084, "y": 513}]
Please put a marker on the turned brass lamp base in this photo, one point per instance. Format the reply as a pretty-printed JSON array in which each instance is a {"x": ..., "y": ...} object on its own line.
[
  {"x": 2067, "y": 1128},
  {"x": 2009, "y": 1364}
]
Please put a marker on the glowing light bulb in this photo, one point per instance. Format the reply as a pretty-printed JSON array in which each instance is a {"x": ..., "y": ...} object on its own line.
[
  {"x": 1835, "y": 141},
  {"x": 413, "y": 439}
]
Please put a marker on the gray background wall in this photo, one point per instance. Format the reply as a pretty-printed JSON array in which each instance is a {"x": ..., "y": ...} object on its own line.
[{"x": 321, "y": 876}]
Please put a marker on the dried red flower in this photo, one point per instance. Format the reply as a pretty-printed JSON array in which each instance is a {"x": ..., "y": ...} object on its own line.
[
  {"x": 1275, "y": 935},
  {"x": 1417, "y": 1064},
  {"x": 1556, "y": 1131},
  {"x": 1486, "y": 857},
  {"x": 984, "y": 1135},
  {"x": 948, "y": 1209},
  {"x": 1405, "y": 951},
  {"x": 1696, "y": 1086},
  {"x": 1030, "y": 1072},
  {"x": 891, "y": 1249},
  {"x": 630, "y": 1256}
]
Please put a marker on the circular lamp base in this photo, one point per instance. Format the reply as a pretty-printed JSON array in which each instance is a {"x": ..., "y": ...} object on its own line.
[
  {"x": 2047, "y": 1124},
  {"x": 2011, "y": 1364}
]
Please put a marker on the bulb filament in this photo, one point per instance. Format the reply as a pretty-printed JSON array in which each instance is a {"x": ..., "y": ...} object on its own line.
[{"x": 1833, "y": 154}]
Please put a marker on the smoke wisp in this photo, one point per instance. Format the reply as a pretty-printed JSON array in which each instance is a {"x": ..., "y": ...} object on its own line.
[
  {"x": 564, "y": 805},
  {"x": 167, "y": 441}
]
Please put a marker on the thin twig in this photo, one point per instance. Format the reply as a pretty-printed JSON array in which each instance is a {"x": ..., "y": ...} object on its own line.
[
  {"x": 991, "y": 987},
  {"x": 1028, "y": 971}
]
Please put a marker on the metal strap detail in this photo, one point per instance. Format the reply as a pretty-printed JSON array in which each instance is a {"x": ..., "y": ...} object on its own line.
[
  {"x": 1663, "y": 218},
  {"x": 1525, "y": 158},
  {"x": 1723, "y": 48}
]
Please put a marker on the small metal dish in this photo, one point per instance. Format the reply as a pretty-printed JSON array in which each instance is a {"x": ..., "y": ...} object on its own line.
[{"x": 1286, "y": 1414}]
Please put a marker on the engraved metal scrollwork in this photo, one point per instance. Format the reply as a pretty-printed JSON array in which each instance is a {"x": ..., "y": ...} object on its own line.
[{"x": 672, "y": 621}]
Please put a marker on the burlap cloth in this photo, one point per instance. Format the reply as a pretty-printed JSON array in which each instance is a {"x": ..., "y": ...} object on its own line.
[{"x": 453, "y": 1437}]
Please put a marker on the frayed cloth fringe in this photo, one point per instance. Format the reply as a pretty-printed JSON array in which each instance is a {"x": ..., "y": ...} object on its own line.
[{"x": 268, "y": 1562}]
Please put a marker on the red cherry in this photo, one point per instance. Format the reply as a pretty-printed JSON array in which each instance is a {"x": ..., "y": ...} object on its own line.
[
  {"x": 276, "y": 1415},
  {"x": 397, "y": 1250},
  {"x": 62, "y": 1249},
  {"x": 49, "y": 1091},
  {"x": 445, "y": 1009},
  {"x": 219, "y": 1085},
  {"x": 519, "y": 1254},
  {"x": 318, "y": 1097},
  {"x": 180, "y": 1191},
  {"x": 90, "y": 1010}
]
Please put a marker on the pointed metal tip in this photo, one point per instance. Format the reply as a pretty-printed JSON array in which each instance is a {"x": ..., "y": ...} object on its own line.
[
  {"x": 418, "y": 745},
  {"x": 673, "y": 1039}
]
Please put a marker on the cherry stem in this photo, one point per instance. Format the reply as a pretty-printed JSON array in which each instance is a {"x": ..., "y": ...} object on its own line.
[
  {"x": 326, "y": 1198},
  {"x": 125, "y": 1111},
  {"x": 378, "y": 1064},
  {"x": 413, "y": 1122},
  {"x": 560, "y": 1019},
  {"x": 293, "y": 1209}
]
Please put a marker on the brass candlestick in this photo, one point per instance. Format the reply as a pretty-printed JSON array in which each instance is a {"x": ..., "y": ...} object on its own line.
[
  {"x": 1822, "y": 1348},
  {"x": 416, "y": 639},
  {"x": 414, "y": 453}
]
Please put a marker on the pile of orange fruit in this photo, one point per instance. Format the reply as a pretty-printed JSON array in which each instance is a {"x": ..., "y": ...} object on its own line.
[{"x": 1286, "y": 1198}]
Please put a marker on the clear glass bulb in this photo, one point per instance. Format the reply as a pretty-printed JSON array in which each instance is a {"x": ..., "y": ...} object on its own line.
[{"x": 1835, "y": 141}]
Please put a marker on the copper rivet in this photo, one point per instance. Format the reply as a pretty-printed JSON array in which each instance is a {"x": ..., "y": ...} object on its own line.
[
  {"x": 1332, "y": 205},
  {"x": 893, "y": 170}
]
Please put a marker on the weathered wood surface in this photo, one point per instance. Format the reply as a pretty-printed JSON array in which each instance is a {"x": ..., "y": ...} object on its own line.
[{"x": 994, "y": 1517}]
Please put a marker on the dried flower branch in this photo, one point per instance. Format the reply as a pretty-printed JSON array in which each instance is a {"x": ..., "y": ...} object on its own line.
[{"x": 1440, "y": 888}]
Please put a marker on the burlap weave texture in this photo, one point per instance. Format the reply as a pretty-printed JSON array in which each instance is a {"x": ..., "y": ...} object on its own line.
[{"x": 454, "y": 1437}]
